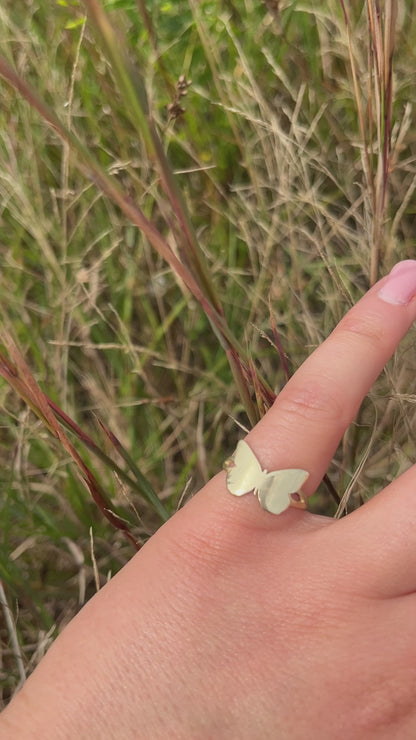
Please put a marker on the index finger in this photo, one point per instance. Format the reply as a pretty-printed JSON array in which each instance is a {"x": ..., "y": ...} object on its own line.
[{"x": 310, "y": 415}]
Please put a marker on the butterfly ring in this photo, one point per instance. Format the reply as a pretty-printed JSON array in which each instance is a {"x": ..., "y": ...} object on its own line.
[{"x": 276, "y": 491}]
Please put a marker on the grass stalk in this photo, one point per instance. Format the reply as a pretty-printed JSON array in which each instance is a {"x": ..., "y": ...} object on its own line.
[
  {"x": 12, "y": 632},
  {"x": 17, "y": 373},
  {"x": 381, "y": 24},
  {"x": 109, "y": 186},
  {"x": 136, "y": 104},
  {"x": 141, "y": 484}
]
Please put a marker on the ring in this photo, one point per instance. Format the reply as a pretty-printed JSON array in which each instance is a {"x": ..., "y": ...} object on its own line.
[{"x": 276, "y": 491}]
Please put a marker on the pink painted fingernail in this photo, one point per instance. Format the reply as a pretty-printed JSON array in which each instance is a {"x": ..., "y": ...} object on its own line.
[{"x": 400, "y": 286}]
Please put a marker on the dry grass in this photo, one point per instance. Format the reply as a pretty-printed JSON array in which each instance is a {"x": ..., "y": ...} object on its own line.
[{"x": 300, "y": 189}]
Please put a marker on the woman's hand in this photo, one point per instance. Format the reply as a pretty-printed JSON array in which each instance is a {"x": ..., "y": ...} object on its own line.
[{"x": 234, "y": 623}]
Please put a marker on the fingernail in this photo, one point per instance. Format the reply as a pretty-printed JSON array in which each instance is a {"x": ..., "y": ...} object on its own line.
[{"x": 400, "y": 286}]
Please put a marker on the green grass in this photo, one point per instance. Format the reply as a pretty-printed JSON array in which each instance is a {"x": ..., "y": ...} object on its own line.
[{"x": 270, "y": 160}]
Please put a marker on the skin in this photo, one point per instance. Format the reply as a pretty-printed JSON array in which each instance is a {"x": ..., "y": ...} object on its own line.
[{"x": 234, "y": 623}]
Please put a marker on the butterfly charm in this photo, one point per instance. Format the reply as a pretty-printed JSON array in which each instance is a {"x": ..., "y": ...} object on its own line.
[{"x": 274, "y": 490}]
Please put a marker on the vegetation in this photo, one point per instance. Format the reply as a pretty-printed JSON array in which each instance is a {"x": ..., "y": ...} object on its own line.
[{"x": 192, "y": 195}]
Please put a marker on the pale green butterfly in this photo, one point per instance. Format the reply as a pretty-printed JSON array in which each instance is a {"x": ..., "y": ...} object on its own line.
[{"x": 274, "y": 490}]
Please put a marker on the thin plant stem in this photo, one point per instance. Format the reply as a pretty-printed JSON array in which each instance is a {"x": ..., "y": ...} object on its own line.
[
  {"x": 11, "y": 629},
  {"x": 110, "y": 187}
]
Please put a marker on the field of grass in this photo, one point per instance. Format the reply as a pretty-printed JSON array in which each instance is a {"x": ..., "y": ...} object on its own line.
[{"x": 283, "y": 183}]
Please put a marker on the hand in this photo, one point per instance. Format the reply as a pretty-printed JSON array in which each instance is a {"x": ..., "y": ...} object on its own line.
[{"x": 232, "y": 623}]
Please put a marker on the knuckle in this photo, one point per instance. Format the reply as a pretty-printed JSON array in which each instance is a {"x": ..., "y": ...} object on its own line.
[
  {"x": 315, "y": 401},
  {"x": 369, "y": 327}
]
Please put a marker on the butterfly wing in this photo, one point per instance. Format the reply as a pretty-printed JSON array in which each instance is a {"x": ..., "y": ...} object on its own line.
[
  {"x": 274, "y": 492},
  {"x": 246, "y": 473}
]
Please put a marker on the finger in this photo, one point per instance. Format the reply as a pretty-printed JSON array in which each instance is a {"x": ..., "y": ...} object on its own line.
[
  {"x": 310, "y": 415},
  {"x": 382, "y": 536}
]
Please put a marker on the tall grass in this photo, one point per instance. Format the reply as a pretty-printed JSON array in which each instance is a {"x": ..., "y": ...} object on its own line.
[{"x": 168, "y": 259}]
